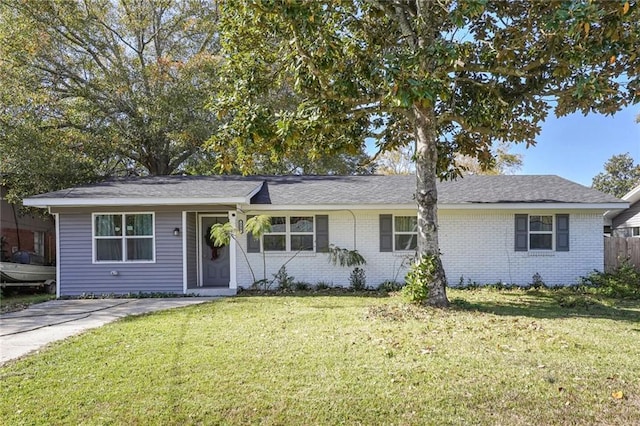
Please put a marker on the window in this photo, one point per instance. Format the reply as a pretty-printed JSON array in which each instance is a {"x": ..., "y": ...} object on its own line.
[
  {"x": 398, "y": 233},
  {"x": 38, "y": 243},
  {"x": 123, "y": 237},
  {"x": 635, "y": 231},
  {"x": 541, "y": 232},
  {"x": 293, "y": 233},
  {"x": 405, "y": 232},
  {"x": 276, "y": 239}
]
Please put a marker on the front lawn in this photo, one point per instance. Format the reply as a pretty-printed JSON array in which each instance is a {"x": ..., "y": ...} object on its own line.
[{"x": 511, "y": 357}]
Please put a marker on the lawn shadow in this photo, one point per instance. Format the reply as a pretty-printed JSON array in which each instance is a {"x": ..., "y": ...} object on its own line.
[
  {"x": 551, "y": 306},
  {"x": 333, "y": 292}
]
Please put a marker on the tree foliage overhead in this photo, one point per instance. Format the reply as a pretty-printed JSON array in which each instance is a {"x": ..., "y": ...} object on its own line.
[
  {"x": 453, "y": 77},
  {"x": 620, "y": 175},
  {"x": 109, "y": 85}
]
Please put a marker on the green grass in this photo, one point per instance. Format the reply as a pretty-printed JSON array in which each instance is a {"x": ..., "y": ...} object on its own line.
[
  {"x": 512, "y": 357},
  {"x": 14, "y": 300}
]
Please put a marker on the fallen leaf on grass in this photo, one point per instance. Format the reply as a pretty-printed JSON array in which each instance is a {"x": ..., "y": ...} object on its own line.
[{"x": 617, "y": 395}]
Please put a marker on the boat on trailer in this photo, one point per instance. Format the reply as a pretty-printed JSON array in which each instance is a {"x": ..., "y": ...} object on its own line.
[{"x": 22, "y": 273}]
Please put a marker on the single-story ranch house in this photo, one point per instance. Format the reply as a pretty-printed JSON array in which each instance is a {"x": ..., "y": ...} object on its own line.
[{"x": 150, "y": 234}]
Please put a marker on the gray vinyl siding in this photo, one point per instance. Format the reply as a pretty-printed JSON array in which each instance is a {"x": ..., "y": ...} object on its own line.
[
  {"x": 628, "y": 218},
  {"x": 192, "y": 251},
  {"x": 78, "y": 274}
]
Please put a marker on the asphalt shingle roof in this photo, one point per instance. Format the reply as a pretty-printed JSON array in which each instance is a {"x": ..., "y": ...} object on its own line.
[
  {"x": 354, "y": 190},
  {"x": 209, "y": 187},
  {"x": 401, "y": 189}
]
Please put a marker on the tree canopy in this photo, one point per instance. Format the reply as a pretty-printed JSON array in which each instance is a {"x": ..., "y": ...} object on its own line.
[
  {"x": 103, "y": 87},
  {"x": 451, "y": 77},
  {"x": 620, "y": 175},
  {"x": 97, "y": 88}
]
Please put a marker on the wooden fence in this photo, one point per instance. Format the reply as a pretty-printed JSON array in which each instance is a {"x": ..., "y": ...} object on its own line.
[{"x": 617, "y": 249}]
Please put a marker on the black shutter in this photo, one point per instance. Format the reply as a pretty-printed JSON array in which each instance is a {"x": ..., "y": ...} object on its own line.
[
  {"x": 386, "y": 232},
  {"x": 562, "y": 232},
  {"x": 322, "y": 233},
  {"x": 522, "y": 232},
  {"x": 253, "y": 244}
]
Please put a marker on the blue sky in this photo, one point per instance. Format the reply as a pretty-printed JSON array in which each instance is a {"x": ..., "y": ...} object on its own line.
[{"x": 576, "y": 147}]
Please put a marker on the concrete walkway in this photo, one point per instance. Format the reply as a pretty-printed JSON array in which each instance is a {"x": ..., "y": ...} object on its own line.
[{"x": 28, "y": 330}]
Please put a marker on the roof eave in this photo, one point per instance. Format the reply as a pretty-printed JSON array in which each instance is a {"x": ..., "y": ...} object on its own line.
[
  {"x": 445, "y": 206},
  {"x": 633, "y": 195},
  {"x": 101, "y": 202},
  {"x": 534, "y": 205}
]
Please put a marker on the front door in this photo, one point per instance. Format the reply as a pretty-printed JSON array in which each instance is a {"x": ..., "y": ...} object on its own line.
[{"x": 214, "y": 261}]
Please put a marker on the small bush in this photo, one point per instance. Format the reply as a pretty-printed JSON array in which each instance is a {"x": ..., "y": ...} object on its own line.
[
  {"x": 468, "y": 285},
  {"x": 418, "y": 277},
  {"x": 284, "y": 280},
  {"x": 390, "y": 286},
  {"x": 624, "y": 281},
  {"x": 301, "y": 286},
  {"x": 323, "y": 285},
  {"x": 358, "y": 279},
  {"x": 537, "y": 282},
  {"x": 262, "y": 284}
]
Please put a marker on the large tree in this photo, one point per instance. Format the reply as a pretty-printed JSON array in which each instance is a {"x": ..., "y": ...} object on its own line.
[
  {"x": 620, "y": 175},
  {"x": 104, "y": 86},
  {"x": 452, "y": 77}
]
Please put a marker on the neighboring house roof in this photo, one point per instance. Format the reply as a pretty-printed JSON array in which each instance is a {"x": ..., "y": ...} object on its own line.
[
  {"x": 370, "y": 190},
  {"x": 632, "y": 196},
  {"x": 618, "y": 217}
]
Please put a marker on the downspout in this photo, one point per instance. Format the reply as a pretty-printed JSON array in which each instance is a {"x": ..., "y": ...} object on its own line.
[
  {"x": 355, "y": 225},
  {"x": 15, "y": 219}
]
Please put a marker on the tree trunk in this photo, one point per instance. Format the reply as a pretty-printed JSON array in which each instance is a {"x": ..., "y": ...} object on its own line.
[{"x": 427, "y": 199}]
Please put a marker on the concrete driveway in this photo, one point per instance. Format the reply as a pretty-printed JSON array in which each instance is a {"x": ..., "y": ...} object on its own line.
[{"x": 28, "y": 330}]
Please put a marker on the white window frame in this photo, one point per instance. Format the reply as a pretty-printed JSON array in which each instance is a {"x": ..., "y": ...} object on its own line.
[
  {"x": 122, "y": 237},
  {"x": 395, "y": 232},
  {"x": 38, "y": 242},
  {"x": 288, "y": 234},
  {"x": 635, "y": 231},
  {"x": 552, "y": 232}
]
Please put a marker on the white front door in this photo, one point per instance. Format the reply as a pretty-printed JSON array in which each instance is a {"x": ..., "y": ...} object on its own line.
[{"x": 214, "y": 261}]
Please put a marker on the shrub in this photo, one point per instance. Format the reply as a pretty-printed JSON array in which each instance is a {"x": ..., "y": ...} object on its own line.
[
  {"x": 285, "y": 281},
  {"x": 390, "y": 286},
  {"x": 624, "y": 281},
  {"x": 323, "y": 285},
  {"x": 537, "y": 282},
  {"x": 263, "y": 284},
  {"x": 358, "y": 279},
  {"x": 301, "y": 286},
  {"x": 419, "y": 276}
]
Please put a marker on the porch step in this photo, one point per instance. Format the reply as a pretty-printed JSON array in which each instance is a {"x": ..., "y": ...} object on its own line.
[{"x": 212, "y": 292}]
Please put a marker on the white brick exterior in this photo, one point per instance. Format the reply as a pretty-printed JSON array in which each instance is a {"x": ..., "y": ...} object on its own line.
[{"x": 477, "y": 245}]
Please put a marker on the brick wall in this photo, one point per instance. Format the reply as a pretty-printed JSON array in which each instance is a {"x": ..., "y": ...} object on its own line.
[{"x": 477, "y": 246}]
